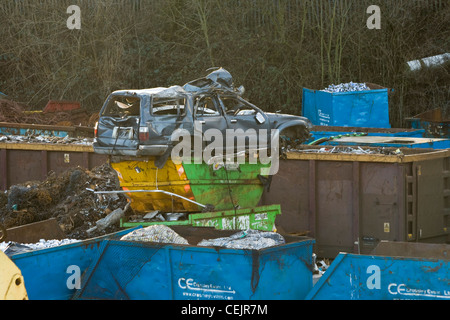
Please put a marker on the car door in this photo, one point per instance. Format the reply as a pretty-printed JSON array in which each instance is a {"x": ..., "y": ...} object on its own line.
[
  {"x": 167, "y": 114},
  {"x": 209, "y": 121},
  {"x": 249, "y": 125}
]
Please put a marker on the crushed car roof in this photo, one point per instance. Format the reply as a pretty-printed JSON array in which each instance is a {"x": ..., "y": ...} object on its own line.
[
  {"x": 219, "y": 79},
  {"x": 159, "y": 91}
]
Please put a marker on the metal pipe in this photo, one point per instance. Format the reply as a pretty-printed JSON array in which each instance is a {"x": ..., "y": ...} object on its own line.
[{"x": 160, "y": 191}]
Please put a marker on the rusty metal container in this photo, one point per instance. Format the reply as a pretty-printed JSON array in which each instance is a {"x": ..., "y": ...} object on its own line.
[
  {"x": 224, "y": 187},
  {"x": 350, "y": 202},
  {"x": 7, "y": 128},
  {"x": 434, "y": 122},
  {"x": 22, "y": 162}
]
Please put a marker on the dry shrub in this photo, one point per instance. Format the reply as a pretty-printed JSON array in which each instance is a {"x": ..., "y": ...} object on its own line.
[{"x": 274, "y": 48}]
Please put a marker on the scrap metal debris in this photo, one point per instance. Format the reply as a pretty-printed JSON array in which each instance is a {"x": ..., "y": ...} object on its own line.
[
  {"x": 157, "y": 216},
  {"x": 15, "y": 112},
  {"x": 65, "y": 198},
  {"x": 11, "y": 247},
  {"x": 155, "y": 233},
  {"x": 46, "y": 139},
  {"x": 346, "y": 87},
  {"x": 248, "y": 239},
  {"x": 351, "y": 150}
]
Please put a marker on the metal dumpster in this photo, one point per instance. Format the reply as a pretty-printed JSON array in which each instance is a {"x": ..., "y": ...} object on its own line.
[
  {"x": 369, "y": 108},
  {"x": 156, "y": 271},
  {"x": 22, "y": 162},
  {"x": 348, "y": 202},
  {"x": 46, "y": 272},
  {"x": 319, "y": 132},
  {"x": 258, "y": 218},
  {"x": 390, "y": 142},
  {"x": 395, "y": 271},
  {"x": 433, "y": 122},
  {"x": 224, "y": 187}
]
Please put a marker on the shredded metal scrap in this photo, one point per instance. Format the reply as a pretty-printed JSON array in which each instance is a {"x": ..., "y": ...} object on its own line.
[
  {"x": 349, "y": 150},
  {"x": 10, "y": 248},
  {"x": 46, "y": 139},
  {"x": 155, "y": 233},
  {"x": 346, "y": 87},
  {"x": 249, "y": 239}
]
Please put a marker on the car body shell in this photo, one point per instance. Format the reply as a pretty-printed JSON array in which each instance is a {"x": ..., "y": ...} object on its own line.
[{"x": 149, "y": 122}]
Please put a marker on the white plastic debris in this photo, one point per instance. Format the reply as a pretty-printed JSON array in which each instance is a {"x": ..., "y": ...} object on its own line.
[
  {"x": 155, "y": 233},
  {"x": 249, "y": 239},
  {"x": 346, "y": 87}
]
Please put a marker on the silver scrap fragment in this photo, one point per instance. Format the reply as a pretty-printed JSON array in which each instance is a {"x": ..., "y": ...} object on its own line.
[
  {"x": 346, "y": 87},
  {"x": 155, "y": 233},
  {"x": 248, "y": 239}
]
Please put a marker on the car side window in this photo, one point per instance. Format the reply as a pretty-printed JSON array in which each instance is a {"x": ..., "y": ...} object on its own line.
[
  {"x": 168, "y": 106},
  {"x": 236, "y": 107},
  {"x": 205, "y": 106}
]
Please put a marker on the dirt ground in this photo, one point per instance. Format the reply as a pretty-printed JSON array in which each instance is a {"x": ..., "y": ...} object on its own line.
[{"x": 65, "y": 198}]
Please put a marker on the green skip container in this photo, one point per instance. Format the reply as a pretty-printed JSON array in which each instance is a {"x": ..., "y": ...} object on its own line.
[{"x": 258, "y": 218}]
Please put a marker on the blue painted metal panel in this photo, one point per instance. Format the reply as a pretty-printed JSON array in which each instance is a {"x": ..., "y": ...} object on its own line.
[
  {"x": 432, "y": 129},
  {"x": 46, "y": 273},
  {"x": 150, "y": 271},
  {"x": 368, "y": 108},
  {"x": 365, "y": 277}
]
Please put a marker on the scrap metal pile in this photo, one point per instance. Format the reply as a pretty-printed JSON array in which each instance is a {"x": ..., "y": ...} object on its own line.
[
  {"x": 65, "y": 198},
  {"x": 246, "y": 239},
  {"x": 15, "y": 112},
  {"x": 31, "y": 138},
  {"x": 346, "y": 87},
  {"x": 351, "y": 150},
  {"x": 11, "y": 247}
]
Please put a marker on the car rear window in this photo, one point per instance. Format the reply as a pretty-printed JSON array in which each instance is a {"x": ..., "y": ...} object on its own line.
[
  {"x": 120, "y": 106},
  {"x": 168, "y": 106}
]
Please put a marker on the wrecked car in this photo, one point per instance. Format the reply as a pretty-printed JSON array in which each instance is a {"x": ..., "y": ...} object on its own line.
[{"x": 143, "y": 122}]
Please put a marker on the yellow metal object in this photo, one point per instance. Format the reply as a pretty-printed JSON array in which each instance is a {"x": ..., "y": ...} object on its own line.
[
  {"x": 12, "y": 286},
  {"x": 144, "y": 175}
]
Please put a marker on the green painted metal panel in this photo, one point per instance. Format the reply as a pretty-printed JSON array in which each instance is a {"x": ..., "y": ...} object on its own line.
[
  {"x": 226, "y": 187},
  {"x": 257, "y": 218}
]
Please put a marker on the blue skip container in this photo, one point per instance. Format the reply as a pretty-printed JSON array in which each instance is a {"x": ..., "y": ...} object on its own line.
[
  {"x": 396, "y": 271},
  {"x": 47, "y": 273},
  {"x": 155, "y": 271},
  {"x": 368, "y": 108}
]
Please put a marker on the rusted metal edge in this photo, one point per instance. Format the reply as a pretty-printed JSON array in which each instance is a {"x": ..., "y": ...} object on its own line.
[
  {"x": 143, "y": 184},
  {"x": 46, "y": 127},
  {"x": 46, "y": 147},
  {"x": 368, "y": 157}
]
